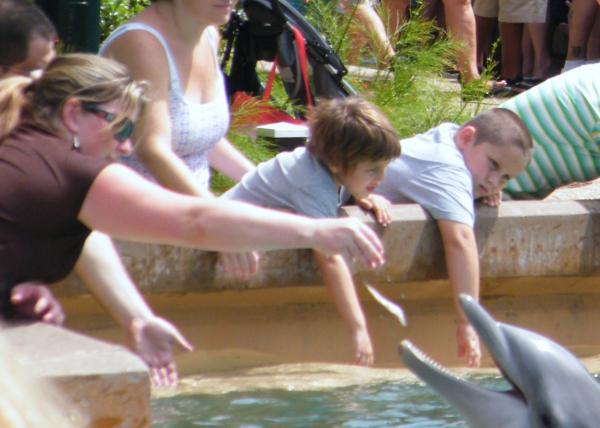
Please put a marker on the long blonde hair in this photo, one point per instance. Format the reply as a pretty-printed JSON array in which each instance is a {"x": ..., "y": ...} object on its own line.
[{"x": 89, "y": 78}]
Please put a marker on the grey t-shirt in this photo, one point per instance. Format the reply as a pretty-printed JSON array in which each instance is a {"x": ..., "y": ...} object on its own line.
[
  {"x": 431, "y": 172},
  {"x": 294, "y": 181}
]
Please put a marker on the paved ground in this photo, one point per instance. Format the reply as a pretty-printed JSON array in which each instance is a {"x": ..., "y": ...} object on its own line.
[{"x": 577, "y": 191}]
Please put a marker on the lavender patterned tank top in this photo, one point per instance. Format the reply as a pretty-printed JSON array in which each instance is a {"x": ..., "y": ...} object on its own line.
[{"x": 195, "y": 127}]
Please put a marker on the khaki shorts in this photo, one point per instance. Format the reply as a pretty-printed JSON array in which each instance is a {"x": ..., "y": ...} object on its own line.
[{"x": 513, "y": 11}]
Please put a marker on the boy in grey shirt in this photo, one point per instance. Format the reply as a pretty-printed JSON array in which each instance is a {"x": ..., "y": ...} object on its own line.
[
  {"x": 351, "y": 144},
  {"x": 444, "y": 170}
]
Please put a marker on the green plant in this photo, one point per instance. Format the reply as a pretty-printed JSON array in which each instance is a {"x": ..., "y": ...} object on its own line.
[
  {"x": 411, "y": 88},
  {"x": 114, "y": 12}
]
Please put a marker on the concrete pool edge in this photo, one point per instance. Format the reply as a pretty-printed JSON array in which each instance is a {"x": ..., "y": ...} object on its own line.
[
  {"x": 106, "y": 383},
  {"x": 539, "y": 269}
]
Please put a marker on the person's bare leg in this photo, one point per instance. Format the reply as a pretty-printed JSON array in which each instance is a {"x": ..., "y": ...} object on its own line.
[
  {"x": 538, "y": 31},
  {"x": 397, "y": 11},
  {"x": 593, "y": 47},
  {"x": 510, "y": 37},
  {"x": 375, "y": 30},
  {"x": 527, "y": 57},
  {"x": 581, "y": 21},
  {"x": 460, "y": 20},
  {"x": 433, "y": 10},
  {"x": 485, "y": 38}
]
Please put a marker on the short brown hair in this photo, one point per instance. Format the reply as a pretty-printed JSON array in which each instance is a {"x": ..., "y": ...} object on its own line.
[
  {"x": 89, "y": 78},
  {"x": 346, "y": 131},
  {"x": 501, "y": 127},
  {"x": 21, "y": 21}
]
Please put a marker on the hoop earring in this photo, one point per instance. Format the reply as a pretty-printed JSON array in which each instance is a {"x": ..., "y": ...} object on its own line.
[{"x": 75, "y": 142}]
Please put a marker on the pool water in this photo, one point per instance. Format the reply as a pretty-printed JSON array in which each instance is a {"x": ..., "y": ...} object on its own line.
[{"x": 387, "y": 404}]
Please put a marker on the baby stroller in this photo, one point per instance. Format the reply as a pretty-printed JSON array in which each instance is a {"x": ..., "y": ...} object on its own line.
[{"x": 272, "y": 30}]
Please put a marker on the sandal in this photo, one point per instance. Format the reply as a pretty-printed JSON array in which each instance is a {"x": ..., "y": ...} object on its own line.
[
  {"x": 499, "y": 88},
  {"x": 530, "y": 82},
  {"x": 475, "y": 90}
]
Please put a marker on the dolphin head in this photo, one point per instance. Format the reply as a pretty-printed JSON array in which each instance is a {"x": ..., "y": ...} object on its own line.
[{"x": 550, "y": 386}]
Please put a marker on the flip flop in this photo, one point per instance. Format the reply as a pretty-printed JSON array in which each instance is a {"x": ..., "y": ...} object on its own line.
[{"x": 499, "y": 89}]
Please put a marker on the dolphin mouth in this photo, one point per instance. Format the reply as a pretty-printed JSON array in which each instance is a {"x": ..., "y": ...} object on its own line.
[
  {"x": 413, "y": 356},
  {"x": 419, "y": 362},
  {"x": 446, "y": 382},
  {"x": 548, "y": 385}
]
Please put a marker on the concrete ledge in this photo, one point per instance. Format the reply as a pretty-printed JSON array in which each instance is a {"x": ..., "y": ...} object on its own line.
[
  {"x": 518, "y": 240},
  {"x": 539, "y": 266},
  {"x": 108, "y": 384}
]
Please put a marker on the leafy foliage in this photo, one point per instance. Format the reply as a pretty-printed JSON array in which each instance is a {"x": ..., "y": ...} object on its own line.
[
  {"x": 114, "y": 12},
  {"x": 412, "y": 88}
]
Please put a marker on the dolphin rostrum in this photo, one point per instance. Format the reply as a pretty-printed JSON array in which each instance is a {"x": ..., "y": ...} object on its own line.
[{"x": 550, "y": 387}]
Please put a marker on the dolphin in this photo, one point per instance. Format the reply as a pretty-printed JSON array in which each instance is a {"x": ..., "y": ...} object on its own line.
[{"x": 550, "y": 387}]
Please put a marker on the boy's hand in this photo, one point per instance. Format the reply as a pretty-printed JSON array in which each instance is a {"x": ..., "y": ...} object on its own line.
[
  {"x": 380, "y": 207},
  {"x": 34, "y": 300},
  {"x": 239, "y": 265},
  {"x": 363, "y": 349},
  {"x": 492, "y": 200},
  {"x": 468, "y": 344}
]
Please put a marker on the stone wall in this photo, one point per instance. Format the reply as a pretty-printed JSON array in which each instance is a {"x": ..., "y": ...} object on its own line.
[{"x": 520, "y": 239}]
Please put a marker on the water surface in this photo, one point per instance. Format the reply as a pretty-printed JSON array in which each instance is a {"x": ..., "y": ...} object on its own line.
[{"x": 385, "y": 404}]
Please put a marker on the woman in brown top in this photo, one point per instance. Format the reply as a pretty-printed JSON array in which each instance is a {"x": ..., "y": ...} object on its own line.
[{"x": 58, "y": 137}]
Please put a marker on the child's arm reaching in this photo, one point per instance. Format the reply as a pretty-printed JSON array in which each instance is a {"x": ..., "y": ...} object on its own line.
[
  {"x": 338, "y": 280},
  {"x": 462, "y": 260}
]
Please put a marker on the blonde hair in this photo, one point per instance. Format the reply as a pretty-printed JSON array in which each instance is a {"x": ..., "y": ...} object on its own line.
[
  {"x": 346, "y": 131},
  {"x": 89, "y": 78}
]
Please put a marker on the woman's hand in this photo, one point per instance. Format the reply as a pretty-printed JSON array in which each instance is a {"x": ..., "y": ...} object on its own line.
[
  {"x": 154, "y": 340},
  {"x": 34, "y": 300},
  {"x": 351, "y": 238}
]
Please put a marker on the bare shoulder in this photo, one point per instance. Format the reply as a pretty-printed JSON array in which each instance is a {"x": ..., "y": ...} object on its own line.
[{"x": 144, "y": 56}]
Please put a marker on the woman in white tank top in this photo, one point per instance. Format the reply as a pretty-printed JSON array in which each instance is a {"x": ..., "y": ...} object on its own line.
[{"x": 173, "y": 44}]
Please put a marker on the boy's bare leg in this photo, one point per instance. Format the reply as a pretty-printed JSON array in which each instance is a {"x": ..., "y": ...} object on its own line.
[{"x": 338, "y": 280}]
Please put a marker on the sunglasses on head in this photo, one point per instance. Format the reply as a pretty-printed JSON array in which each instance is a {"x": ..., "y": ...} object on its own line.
[{"x": 123, "y": 133}]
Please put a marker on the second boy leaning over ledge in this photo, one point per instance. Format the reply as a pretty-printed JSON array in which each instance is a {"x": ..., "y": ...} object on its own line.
[{"x": 444, "y": 170}]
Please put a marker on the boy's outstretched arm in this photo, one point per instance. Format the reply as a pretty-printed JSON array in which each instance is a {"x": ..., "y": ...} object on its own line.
[
  {"x": 462, "y": 260},
  {"x": 338, "y": 280}
]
